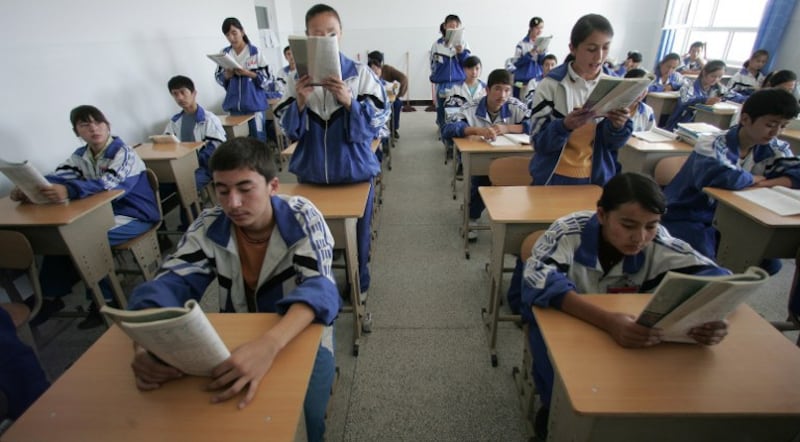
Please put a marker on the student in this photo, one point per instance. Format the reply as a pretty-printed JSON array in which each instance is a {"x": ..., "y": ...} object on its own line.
[
  {"x": 495, "y": 114},
  {"x": 283, "y": 75},
  {"x": 705, "y": 89},
  {"x": 783, "y": 79},
  {"x": 104, "y": 163},
  {"x": 383, "y": 132},
  {"x": 268, "y": 253},
  {"x": 392, "y": 75},
  {"x": 548, "y": 63},
  {"x": 667, "y": 79},
  {"x": 692, "y": 61},
  {"x": 245, "y": 89},
  {"x": 468, "y": 92},
  {"x": 570, "y": 146},
  {"x": 22, "y": 379},
  {"x": 750, "y": 77},
  {"x": 633, "y": 61},
  {"x": 334, "y": 125},
  {"x": 446, "y": 61},
  {"x": 642, "y": 115},
  {"x": 618, "y": 248},
  {"x": 528, "y": 58},
  {"x": 749, "y": 154},
  {"x": 193, "y": 123}
]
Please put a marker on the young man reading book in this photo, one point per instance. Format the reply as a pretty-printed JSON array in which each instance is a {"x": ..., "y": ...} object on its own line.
[
  {"x": 618, "y": 248},
  {"x": 495, "y": 114},
  {"x": 268, "y": 253}
]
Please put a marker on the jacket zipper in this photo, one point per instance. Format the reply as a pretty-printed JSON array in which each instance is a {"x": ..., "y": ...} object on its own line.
[{"x": 325, "y": 134}]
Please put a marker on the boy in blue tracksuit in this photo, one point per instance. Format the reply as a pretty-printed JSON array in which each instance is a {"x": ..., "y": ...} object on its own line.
[
  {"x": 667, "y": 79},
  {"x": 749, "y": 154},
  {"x": 528, "y": 58},
  {"x": 446, "y": 62},
  {"x": 334, "y": 125},
  {"x": 495, "y": 114},
  {"x": 245, "y": 88},
  {"x": 268, "y": 253},
  {"x": 706, "y": 89},
  {"x": 104, "y": 163}
]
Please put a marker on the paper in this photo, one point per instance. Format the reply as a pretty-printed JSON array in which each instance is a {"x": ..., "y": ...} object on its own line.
[
  {"x": 454, "y": 37},
  {"x": 182, "y": 337},
  {"x": 27, "y": 178},
  {"x": 613, "y": 93},
  {"x": 779, "y": 199},
  {"x": 165, "y": 139},
  {"x": 317, "y": 57},
  {"x": 655, "y": 135},
  {"x": 542, "y": 43},
  {"x": 510, "y": 140},
  {"x": 225, "y": 60}
]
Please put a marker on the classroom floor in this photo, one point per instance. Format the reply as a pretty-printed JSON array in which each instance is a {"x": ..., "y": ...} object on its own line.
[{"x": 424, "y": 372}]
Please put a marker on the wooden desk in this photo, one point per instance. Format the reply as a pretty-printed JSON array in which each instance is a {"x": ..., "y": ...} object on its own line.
[
  {"x": 721, "y": 120},
  {"x": 476, "y": 155},
  {"x": 175, "y": 163},
  {"x": 514, "y": 213},
  {"x": 768, "y": 235},
  {"x": 97, "y": 399},
  {"x": 663, "y": 103},
  {"x": 744, "y": 389},
  {"x": 792, "y": 136},
  {"x": 236, "y": 125},
  {"x": 77, "y": 228},
  {"x": 342, "y": 206},
  {"x": 640, "y": 156}
]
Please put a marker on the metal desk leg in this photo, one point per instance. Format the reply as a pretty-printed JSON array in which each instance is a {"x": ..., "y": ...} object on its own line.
[
  {"x": 466, "y": 160},
  {"x": 183, "y": 172}
]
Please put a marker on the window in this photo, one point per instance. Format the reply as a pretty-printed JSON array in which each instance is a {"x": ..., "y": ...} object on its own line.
[{"x": 728, "y": 27}]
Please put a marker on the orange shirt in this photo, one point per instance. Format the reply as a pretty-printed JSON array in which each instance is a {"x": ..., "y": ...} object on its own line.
[{"x": 251, "y": 257}]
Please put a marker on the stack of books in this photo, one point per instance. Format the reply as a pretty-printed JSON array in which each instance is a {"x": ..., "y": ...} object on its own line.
[{"x": 691, "y": 132}]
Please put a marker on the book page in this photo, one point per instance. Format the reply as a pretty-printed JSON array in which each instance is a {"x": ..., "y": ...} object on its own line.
[
  {"x": 502, "y": 141},
  {"x": 165, "y": 139},
  {"x": 699, "y": 128},
  {"x": 323, "y": 56},
  {"x": 519, "y": 138},
  {"x": 780, "y": 202},
  {"x": 542, "y": 43},
  {"x": 454, "y": 37},
  {"x": 613, "y": 93},
  {"x": 300, "y": 54},
  {"x": 182, "y": 338},
  {"x": 225, "y": 60},
  {"x": 655, "y": 135},
  {"x": 27, "y": 178}
]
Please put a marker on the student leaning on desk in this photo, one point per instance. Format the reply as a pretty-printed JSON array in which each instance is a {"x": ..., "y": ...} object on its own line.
[
  {"x": 104, "y": 163},
  {"x": 706, "y": 89},
  {"x": 268, "y": 253},
  {"x": 619, "y": 248}
]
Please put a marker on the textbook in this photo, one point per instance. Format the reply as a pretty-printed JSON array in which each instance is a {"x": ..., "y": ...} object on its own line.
[
  {"x": 454, "y": 37},
  {"x": 164, "y": 139},
  {"x": 655, "y": 135},
  {"x": 510, "y": 140},
  {"x": 27, "y": 178},
  {"x": 225, "y": 60},
  {"x": 682, "y": 302},
  {"x": 182, "y": 337},
  {"x": 721, "y": 108},
  {"x": 318, "y": 57},
  {"x": 542, "y": 43},
  {"x": 781, "y": 200},
  {"x": 616, "y": 93},
  {"x": 691, "y": 132}
]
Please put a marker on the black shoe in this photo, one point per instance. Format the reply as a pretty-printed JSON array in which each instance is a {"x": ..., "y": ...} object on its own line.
[
  {"x": 49, "y": 307},
  {"x": 396, "y": 134},
  {"x": 540, "y": 423},
  {"x": 93, "y": 319}
]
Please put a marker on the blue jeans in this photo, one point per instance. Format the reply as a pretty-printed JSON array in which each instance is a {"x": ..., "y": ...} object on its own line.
[{"x": 318, "y": 394}]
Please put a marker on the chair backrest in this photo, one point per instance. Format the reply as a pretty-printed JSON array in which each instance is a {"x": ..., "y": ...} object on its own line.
[
  {"x": 152, "y": 179},
  {"x": 510, "y": 171},
  {"x": 16, "y": 252},
  {"x": 526, "y": 249},
  {"x": 667, "y": 168}
]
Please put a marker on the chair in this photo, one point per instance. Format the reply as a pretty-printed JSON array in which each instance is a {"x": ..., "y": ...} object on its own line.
[
  {"x": 667, "y": 168},
  {"x": 17, "y": 254},
  {"x": 526, "y": 389},
  {"x": 144, "y": 248},
  {"x": 510, "y": 171}
]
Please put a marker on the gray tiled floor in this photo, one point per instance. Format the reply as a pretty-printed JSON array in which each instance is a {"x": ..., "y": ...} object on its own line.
[{"x": 424, "y": 372}]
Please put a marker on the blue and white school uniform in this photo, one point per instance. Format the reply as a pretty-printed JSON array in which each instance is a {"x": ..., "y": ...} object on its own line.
[
  {"x": 245, "y": 95},
  {"x": 461, "y": 95},
  {"x": 692, "y": 94},
  {"x": 643, "y": 118},
  {"x": 446, "y": 72},
  {"x": 208, "y": 129},
  {"x": 526, "y": 66},
  {"x": 565, "y": 259},
  {"x": 675, "y": 80},
  {"x": 745, "y": 83},
  {"x": 691, "y": 65}
]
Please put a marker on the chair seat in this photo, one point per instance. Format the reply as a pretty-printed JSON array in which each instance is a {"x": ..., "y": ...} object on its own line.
[{"x": 129, "y": 244}]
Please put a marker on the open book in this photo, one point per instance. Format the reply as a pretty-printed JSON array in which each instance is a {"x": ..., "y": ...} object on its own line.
[
  {"x": 542, "y": 43},
  {"x": 165, "y": 139},
  {"x": 616, "y": 93},
  {"x": 682, "y": 302},
  {"x": 27, "y": 178},
  {"x": 655, "y": 135},
  {"x": 454, "y": 37},
  {"x": 182, "y": 337},
  {"x": 510, "y": 140},
  {"x": 317, "y": 57},
  {"x": 225, "y": 60},
  {"x": 781, "y": 200}
]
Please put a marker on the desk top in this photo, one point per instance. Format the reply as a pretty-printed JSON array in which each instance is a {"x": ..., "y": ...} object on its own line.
[
  {"x": 235, "y": 120},
  {"x": 166, "y": 151},
  {"x": 13, "y": 213},
  {"x": 333, "y": 201},
  {"x": 752, "y": 371},
  {"x": 289, "y": 151},
  {"x": 670, "y": 95},
  {"x": 537, "y": 204},
  {"x": 791, "y": 134},
  {"x": 478, "y": 145},
  {"x": 752, "y": 210},
  {"x": 666, "y": 146},
  {"x": 97, "y": 397}
]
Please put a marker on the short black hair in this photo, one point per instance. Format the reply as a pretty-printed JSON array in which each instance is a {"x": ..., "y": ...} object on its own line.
[
  {"x": 233, "y": 21},
  {"x": 373, "y": 62},
  {"x": 535, "y": 21},
  {"x": 244, "y": 153},
  {"x": 587, "y": 24},
  {"x": 550, "y": 57},
  {"x": 635, "y": 73},
  {"x": 771, "y": 101},
  {"x": 697, "y": 44},
  {"x": 443, "y": 26},
  {"x": 471, "y": 61},
  {"x": 757, "y": 53},
  {"x": 669, "y": 57},
  {"x": 377, "y": 56},
  {"x": 180, "y": 81},
  {"x": 321, "y": 8},
  {"x": 635, "y": 56},
  {"x": 499, "y": 76},
  {"x": 85, "y": 114},
  {"x": 632, "y": 187},
  {"x": 711, "y": 66},
  {"x": 286, "y": 49},
  {"x": 779, "y": 77}
]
